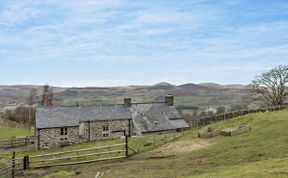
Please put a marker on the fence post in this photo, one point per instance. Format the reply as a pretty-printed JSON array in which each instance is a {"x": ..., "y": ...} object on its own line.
[
  {"x": 12, "y": 142},
  {"x": 126, "y": 145},
  {"x": 13, "y": 165},
  {"x": 26, "y": 162}
]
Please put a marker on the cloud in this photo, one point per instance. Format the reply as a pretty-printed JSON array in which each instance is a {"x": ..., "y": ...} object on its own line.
[{"x": 198, "y": 35}]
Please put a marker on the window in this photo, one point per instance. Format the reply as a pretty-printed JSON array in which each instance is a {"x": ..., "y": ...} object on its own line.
[
  {"x": 105, "y": 131},
  {"x": 105, "y": 135},
  {"x": 105, "y": 128},
  {"x": 64, "y": 131}
]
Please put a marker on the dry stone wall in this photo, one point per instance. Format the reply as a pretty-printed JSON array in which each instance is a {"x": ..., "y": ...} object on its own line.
[{"x": 93, "y": 130}]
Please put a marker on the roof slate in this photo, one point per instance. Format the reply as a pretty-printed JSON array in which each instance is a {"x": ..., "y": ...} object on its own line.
[
  {"x": 147, "y": 117},
  {"x": 47, "y": 117},
  {"x": 156, "y": 117}
]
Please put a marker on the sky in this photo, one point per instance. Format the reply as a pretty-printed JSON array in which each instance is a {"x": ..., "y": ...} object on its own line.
[{"x": 139, "y": 42}]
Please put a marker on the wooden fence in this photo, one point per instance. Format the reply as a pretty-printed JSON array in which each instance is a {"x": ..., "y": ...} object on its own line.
[
  {"x": 80, "y": 156},
  {"x": 14, "y": 167},
  {"x": 16, "y": 142},
  {"x": 215, "y": 118},
  {"x": 10, "y": 167}
]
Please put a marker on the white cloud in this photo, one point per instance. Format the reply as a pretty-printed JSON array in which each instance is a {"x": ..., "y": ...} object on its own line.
[
  {"x": 17, "y": 13},
  {"x": 118, "y": 31}
]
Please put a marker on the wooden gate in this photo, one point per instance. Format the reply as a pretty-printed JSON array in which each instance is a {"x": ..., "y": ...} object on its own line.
[
  {"x": 10, "y": 167},
  {"x": 79, "y": 156}
]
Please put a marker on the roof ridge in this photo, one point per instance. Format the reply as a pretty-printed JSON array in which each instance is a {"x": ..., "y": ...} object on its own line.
[{"x": 74, "y": 106}]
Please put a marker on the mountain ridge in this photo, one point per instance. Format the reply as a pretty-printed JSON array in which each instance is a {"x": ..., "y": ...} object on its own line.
[{"x": 190, "y": 94}]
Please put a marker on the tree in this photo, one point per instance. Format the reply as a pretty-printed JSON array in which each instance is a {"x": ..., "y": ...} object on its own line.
[
  {"x": 210, "y": 113},
  {"x": 31, "y": 97},
  {"x": 271, "y": 87},
  {"x": 47, "y": 96},
  {"x": 238, "y": 107},
  {"x": 195, "y": 114},
  {"x": 20, "y": 114},
  {"x": 30, "y": 103},
  {"x": 25, "y": 113},
  {"x": 220, "y": 110},
  {"x": 203, "y": 114}
]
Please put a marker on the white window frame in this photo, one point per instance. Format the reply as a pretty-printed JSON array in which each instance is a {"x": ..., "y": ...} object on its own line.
[
  {"x": 105, "y": 131},
  {"x": 64, "y": 131}
]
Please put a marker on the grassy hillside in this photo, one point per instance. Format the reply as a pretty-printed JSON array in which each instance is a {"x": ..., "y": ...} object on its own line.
[{"x": 259, "y": 153}]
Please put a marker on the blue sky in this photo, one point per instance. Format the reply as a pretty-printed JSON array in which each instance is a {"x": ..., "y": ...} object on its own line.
[{"x": 129, "y": 42}]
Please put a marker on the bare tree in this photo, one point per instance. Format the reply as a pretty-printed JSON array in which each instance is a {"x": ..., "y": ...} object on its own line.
[
  {"x": 31, "y": 97},
  {"x": 31, "y": 101},
  {"x": 271, "y": 86},
  {"x": 47, "y": 96}
]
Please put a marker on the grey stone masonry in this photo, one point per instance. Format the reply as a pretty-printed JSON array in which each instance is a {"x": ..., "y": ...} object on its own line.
[
  {"x": 98, "y": 133},
  {"x": 60, "y": 125},
  {"x": 93, "y": 130},
  {"x": 52, "y": 137}
]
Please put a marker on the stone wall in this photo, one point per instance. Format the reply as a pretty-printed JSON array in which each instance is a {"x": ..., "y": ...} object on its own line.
[
  {"x": 93, "y": 130},
  {"x": 52, "y": 138},
  {"x": 97, "y": 129}
]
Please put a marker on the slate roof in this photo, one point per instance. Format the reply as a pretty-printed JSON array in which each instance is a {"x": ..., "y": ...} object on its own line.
[
  {"x": 147, "y": 117},
  {"x": 48, "y": 117},
  {"x": 156, "y": 117}
]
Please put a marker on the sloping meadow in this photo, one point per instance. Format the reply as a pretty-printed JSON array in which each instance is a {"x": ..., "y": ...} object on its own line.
[{"x": 262, "y": 152}]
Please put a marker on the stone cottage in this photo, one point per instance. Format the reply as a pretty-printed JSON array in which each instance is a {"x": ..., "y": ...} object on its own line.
[{"x": 58, "y": 126}]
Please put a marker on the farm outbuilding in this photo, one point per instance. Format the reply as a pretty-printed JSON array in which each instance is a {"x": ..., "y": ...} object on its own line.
[{"x": 58, "y": 126}]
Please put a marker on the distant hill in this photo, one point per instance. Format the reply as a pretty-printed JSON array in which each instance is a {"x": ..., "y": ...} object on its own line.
[
  {"x": 215, "y": 85},
  {"x": 204, "y": 94},
  {"x": 19, "y": 93},
  {"x": 191, "y": 86}
]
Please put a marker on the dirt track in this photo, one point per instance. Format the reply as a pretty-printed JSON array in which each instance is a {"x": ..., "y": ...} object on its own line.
[
  {"x": 175, "y": 148},
  {"x": 20, "y": 148}
]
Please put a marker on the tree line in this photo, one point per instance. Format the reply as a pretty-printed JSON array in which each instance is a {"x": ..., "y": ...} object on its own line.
[{"x": 26, "y": 113}]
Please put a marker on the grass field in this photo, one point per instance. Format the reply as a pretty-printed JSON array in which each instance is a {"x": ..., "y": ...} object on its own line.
[
  {"x": 6, "y": 133},
  {"x": 138, "y": 144},
  {"x": 191, "y": 100},
  {"x": 262, "y": 152},
  {"x": 259, "y": 153}
]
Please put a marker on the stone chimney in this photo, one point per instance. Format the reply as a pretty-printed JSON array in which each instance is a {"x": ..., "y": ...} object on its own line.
[
  {"x": 169, "y": 99},
  {"x": 127, "y": 102}
]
